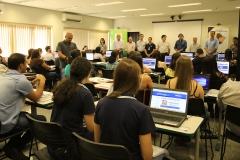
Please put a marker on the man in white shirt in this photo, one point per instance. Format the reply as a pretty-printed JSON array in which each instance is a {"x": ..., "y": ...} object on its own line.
[
  {"x": 130, "y": 46},
  {"x": 193, "y": 47},
  {"x": 118, "y": 45},
  {"x": 141, "y": 46},
  {"x": 163, "y": 46},
  {"x": 229, "y": 95},
  {"x": 49, "y": 55}
]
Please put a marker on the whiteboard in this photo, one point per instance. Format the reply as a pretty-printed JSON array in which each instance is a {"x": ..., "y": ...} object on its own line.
[{"x": 172, "y": 29}]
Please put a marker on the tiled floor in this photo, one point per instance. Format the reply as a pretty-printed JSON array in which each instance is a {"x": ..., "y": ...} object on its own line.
[{"x": 177, "y": 151}]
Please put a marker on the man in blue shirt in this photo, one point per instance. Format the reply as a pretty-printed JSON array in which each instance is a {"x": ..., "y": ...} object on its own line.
[
  {"x": 181, "y": 44},
  {"x": 14, "y": 89},
  {"x": 211, "y": 45}
]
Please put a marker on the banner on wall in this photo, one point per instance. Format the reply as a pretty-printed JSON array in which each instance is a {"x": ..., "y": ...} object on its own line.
[
  {"x": 222, "y": 34},
  {"x": 113, "y": 36}
]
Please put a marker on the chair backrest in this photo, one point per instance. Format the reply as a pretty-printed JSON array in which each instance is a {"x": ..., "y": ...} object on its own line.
[
  {"x": 51, "y": 62},
  {"x": 89, "y": 150},
  {"x": 107, "y": 73},
  {"x": 36, "y": 69},
  {"x": 97, "y": 60},
  {"x": 232, "y": 115},
  {"x": 233, "y": 70},
  {"x": 92, "y": 88},
  {"x": 160, "y": 69},
  {"x": 48, "y": 133},
  {"x": 216, "y": 84},
  {"x": 196, "y": 107},
  {"x": 143, "y": 96}
]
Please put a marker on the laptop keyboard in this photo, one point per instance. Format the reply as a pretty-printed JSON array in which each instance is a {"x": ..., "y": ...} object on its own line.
[{"x": 166, "y": 117}]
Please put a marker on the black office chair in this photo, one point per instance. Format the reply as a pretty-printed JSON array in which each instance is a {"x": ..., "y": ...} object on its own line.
[
  {"x": 48, "y": 133},
  {"x": 198, "y": 69},
  {"x": 232, "y": 115},
  {"x": 97, "y": 60},
  {"x": 89, "y": 150},
  {"x": 50, "y": 63},
  {"x": 93, "y": 90},
  {"x": 160, "y": 70},
  {"x": 107, "y": 73},
  {"x": 143, "y": 96}
]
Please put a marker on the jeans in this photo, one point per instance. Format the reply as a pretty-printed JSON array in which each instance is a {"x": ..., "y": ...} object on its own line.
[
  {"x": 62, "y": 73},
  {"x": 53, "y": 76},
  {"x": 121, "y": 54},
  {"x": 143, "y": 54},
  {"x": 20, "y": 141}
]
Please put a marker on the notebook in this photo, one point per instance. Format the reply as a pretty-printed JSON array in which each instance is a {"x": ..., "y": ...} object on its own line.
[
  {"x": 223, "y": 67},
  {"x": 108, "y": 53},
  {"x": 149, "y": 63},
  {"x": 204, "y": 80},
  {"x": 89, "y": 56},
  {"x": 169, "y": 106},
  {"x": 190, "y": 55},
  {"x": 168, "y": 59}
]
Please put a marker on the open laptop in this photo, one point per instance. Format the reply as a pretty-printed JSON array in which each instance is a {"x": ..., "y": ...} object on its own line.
[
  {"x": 108, "y": 53},
  {"x": 221, "y": 57},
  {"x": 169, "y": 106},
  {"x": 204, "y": 80},
  {"x": 223, "y": 67},
  {"x": 149, "y": 63},
  {"x": 190, "y": 55},
  {"x": 89, "y": 56},
  {"x": 168, "y": 60}
]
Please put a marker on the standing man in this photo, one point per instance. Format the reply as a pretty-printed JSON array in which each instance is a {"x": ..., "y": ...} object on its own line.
[
  {"x": 141, "y": 45},
  {"x": 181, "y": 44},
  {"x": 149, "y": 48},
  {"x": 234, "y": 47},
  {"x": 193, "y": 47},
  {"x": 64, "y": 48},
  {"x": 211, "y": 45},
  {"x": 163, "y": 46},
  {"x": 130, "y": 46},
  {"x": 118, "y": 45}
]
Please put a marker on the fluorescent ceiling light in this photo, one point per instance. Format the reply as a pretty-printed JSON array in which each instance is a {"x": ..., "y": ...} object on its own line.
[
  {"x": 238, "y": 7},
  {"x": 156, "y": 14},
  {"x": 132, "y": 10},
  {"x": 206, "y": 10},
  {"x": 117, "y": 17},
  {"x": 27, "y": 1},
  {"x": 69, "y": 8},
  {"x": 184, "y": 5},
  {"x": 108, "y": 3}
]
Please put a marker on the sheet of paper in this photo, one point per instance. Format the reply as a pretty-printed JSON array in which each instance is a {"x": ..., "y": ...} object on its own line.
[{"x": 212, "y": 93}]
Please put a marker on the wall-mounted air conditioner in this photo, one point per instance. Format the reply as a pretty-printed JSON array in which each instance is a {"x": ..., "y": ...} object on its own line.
[{"x": 71, "y": 18}]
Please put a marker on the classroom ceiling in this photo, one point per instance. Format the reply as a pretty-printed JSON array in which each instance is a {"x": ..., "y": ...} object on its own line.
[{"x": 86, "y": 7}]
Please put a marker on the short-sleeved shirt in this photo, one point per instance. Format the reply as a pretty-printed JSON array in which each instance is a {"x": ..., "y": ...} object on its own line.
[
  {"x": 66, "y": 49},
  {"x": 181, "y": 45},
  {"x": 193, "y": 47},
  {"x": 169, "y": 72},
  {"x": 118, "y": 44},
  {"x": 70, "y": 115},
  {"x": 37, "y": 62},
  {"x": 197, "y": 63},
  {"x": 141, "y": 45},
  {"x": 111, "y": 66},
  {"x": 211, "y": 44},
  {"x": 163, "y": 47},
  {"x": 150, "y": 47},
  {"x": 130, "y": 46},
  {"x": 98, "y": 56},
  {"x": 67, "y": 70},
  {"x": 14, "y": 88},
  {"x": 121, "y": 121}
]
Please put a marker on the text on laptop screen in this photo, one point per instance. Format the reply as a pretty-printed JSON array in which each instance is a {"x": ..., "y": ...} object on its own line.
[
  {"x": 149, "y": 63},
  {"x": 203, "y": 80},
  {"x": 223, "y": 67},
  {"x": 168, "y": 59},
  {"x": 190, "y": 55},
  {"x": 108, "y": 53},
  {"x": 175, "y": 101},
  {"x": 89, "y": 56},
  {"x": 221, "y": 57}
]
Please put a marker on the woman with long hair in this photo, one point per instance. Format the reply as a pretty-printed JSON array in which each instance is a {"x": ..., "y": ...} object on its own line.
[
  {"x": 29, "y": 55},
  {"x": 229, "y": 57},
  {"x": 171, "y": 69},
  {"x": 98, "y": 55},
  {"x": 124, "y": 120},
  {"x": 103, "y": 46},
  {"x": 73, "y": 102},
  {"x": 74, "y": 54},
  {"x": 160, "y": 60},
  {"x": 112, "y": 61}
]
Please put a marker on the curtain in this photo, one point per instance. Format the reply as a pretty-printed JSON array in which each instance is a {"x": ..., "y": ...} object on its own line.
[
  {"x": 6, "y": 39},
  {"x": 94, "y": 38}
]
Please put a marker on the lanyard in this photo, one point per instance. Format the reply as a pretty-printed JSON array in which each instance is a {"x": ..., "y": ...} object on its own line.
[
  {"x": 83, "y": 86},
  {"x": 129, "y": 97}
]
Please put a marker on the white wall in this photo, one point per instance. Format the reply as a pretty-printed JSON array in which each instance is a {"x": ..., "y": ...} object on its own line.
[
  {"x": 145, "y": 25},
  {"x": 29, "y": 15}
]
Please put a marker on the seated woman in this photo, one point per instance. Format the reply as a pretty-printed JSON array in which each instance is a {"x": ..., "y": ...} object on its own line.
[
  {"x": 40, "y": 67},
  {"x": 112, "y": 60},
  {"x": 121, "y": 119},
  {"x": 171, "y": 69},
  {"x": 160, "y": 60},
  {"x": 210, "y": 67},
  {"x": 73, "y": 102},
  {"x": 85, "y": 48},
  {"x": 98, "y": 55},
  {"x": 146, "y": 81},
  {"x": 29, "y": 55},
  {"x": 229, "y": 57},
  {"x": 74, "y": 54}
]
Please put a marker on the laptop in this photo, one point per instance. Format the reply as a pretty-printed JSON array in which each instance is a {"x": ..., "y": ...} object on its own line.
[
  {"x": 149, "y": 63},
  {"x": 190, "y": 55},
  {"x": 221, "y": 57},
  {"x": 223, "y": 67},
  {"x": 204, "y": 80},
  {"x": 168, "y": 60},
  {"x": 89, "y": 56},
  {"x": 108, "y": 53},
  {"x": 169, "y": 106}
]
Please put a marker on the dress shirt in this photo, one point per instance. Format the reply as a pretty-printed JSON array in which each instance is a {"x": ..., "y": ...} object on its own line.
[
  {"x": 118, "y": 44},
  {"x": 141, "y": 45},
  {"x": 130, "y": 46},
  {"x": 181, "y": 45},
  {"x": 193, "y": 47},
  {"x": 211, "y": 44},
  {"x": 163, "y": 47}
]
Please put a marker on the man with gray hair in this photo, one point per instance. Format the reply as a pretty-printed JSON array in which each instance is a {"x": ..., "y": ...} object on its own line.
[
  {"x": 118, "y": 45},
  {"x": 130, "y": 46},
  {"x": 64, "y": 48},
  {"x": 193, "y": 47}
]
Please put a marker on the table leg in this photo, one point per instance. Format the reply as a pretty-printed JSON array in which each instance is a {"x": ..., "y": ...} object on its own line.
[
  {"x": 159, "y": 79},
  {"x": 219, "y": 125},
  {"x": 33, "y": 110},
  {"x": 197, "y": 139},
  {"x": 100, "y": 94}
]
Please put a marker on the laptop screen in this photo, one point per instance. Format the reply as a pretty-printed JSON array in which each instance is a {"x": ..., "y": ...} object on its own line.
[
  {"x": 204, "y": 80},
  {"x": 108, "y": 53},
  {"x": 89, "y": 56},
  {"x": 221, "y": 57},
  {"x": 223, "y": 67},
  {"x": 190, "y": 55},
  {"x": 170, "y": 100},
  {"x": 168, "y": 59},
  {"x": 149, "y": 63}
]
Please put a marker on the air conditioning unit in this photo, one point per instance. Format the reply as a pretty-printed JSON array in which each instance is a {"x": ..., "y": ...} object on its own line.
[
  {"x": 1, "y": 8},
  {"x": 71, "y": 18}
]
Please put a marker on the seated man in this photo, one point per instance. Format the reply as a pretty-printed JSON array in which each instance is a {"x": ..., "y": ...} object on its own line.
[
  {"x": 14, "y": 89},
  {"x": 229, "y": 95},
  {"x": 198, "y": 60}
]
